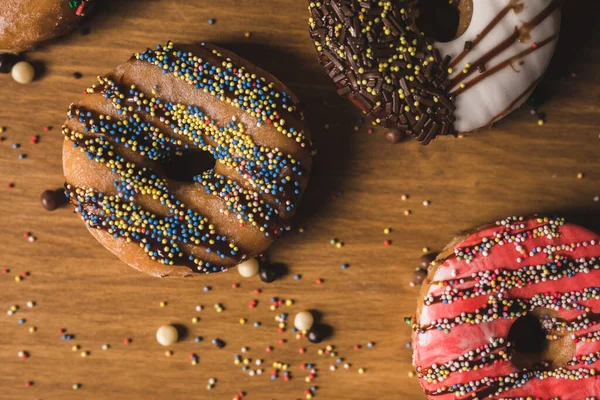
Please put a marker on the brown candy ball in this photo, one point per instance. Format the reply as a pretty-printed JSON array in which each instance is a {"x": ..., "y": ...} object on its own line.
[
  {"x": 52, "y": 199},
  {"x": 419, "y": 276}
]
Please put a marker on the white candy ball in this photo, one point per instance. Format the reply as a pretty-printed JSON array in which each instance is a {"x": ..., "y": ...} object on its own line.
[
  {"x": 304, "y": 320},
  {"x": 23, "y": 72},
  {"x": 248, "y": 268},
  {"x": 167, "y": 335}
]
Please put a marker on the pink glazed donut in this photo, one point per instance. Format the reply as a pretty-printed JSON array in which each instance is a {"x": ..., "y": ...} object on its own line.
[{"x": 511, "y": 311}]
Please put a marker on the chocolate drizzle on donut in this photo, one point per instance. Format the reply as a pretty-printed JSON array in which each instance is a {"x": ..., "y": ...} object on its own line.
[
  {"x": 379, "y": 60},
  {"x": 487, "y": 73},
  {"x": 467, "y": 290},
  {"x": 257, "y": 184}
]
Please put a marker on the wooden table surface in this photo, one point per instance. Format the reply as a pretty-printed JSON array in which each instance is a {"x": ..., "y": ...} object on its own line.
[{"x": 516, "y": 168}]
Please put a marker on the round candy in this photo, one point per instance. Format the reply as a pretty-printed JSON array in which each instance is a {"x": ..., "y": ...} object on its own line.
[
  {"x": 304, "y": 320},
  {"x": 23, "y": 72},
  {"x": 52, "y": 199},
  {"x": 248, "y": 268},
  {"x": 393, "y": 135},
  {"x": 316, "y": 334},
  {"x": 427, "y": 259},
  {"x": 167, "y": 335},
  {"x": 267, "y": 275},
  {"x": 419, "y": 276}
]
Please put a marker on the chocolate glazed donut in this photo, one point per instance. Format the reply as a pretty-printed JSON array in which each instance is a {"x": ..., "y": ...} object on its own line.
[
  {"x": 26, "y": 23},
  {"x": 177, "y": 101},
  {"x": 405, "y": 80}
]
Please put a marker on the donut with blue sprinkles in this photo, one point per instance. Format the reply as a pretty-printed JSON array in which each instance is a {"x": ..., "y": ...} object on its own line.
[{"x": 186, "y": 159}]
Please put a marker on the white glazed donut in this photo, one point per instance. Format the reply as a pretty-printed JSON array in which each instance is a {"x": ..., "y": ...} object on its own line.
[
  {"x": 519, "y": 68},
  {"x": 378, "y": 58}
]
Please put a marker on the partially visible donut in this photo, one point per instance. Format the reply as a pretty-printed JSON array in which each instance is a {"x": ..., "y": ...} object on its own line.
[
  {"x": 378, "y": 58},
  {"x": 512, "y": 311},
  {"x": 26, "y": 23},
  {"x": 186, "y": 101}
]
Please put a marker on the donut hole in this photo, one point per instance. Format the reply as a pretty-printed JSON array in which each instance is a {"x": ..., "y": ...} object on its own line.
[
  {"x": 190, "y": 164},
  {"x": 531, "y": 347},
  {"x": 444, "y": 20}
]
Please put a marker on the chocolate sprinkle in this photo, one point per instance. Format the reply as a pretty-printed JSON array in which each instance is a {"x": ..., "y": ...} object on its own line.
[{"x": 381, "y": 62}]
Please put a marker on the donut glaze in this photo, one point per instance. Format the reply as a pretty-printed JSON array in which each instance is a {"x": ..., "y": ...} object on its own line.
[
  {"x": 194, "y": 101},
  {"x": 26, "y": 23},
  {"x": 512, "y": 28},
  {"x": 379, "y": 60},
  {"x": 482, "y": 283}
]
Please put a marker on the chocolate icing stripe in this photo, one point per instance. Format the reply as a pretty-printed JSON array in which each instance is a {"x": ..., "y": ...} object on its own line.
[
  {"x": 463, "y": 88},
  {"x": 140, "y": 179},
  {"x": 496, "y": 385},
  {"x": 492, "y": 353},
  {"x": 518, "y": 33},
  {"x": 589, "y": 358},
  {"x": 125, "y": 219},
  {"x": 588, "y": 337},
  {"x": 514, "y": 307},
  {"x": 484, "y": 59},
  {"x": 496, "y": 308},
  {"x": 510, "y": 232},
  {"x": 292, "y": 114},
  {"x": 514, "y": 5},
  {"x": 516, "y": 101},
  {"x": 502, "y": 280},
  {"x": 249, "y": 206},
  {"x": 131, "y": 132},
  {"x": 243, "y": 90}
]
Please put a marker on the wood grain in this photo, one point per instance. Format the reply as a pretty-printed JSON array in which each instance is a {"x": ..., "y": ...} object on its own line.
[{"x": 516, "y": 168}]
